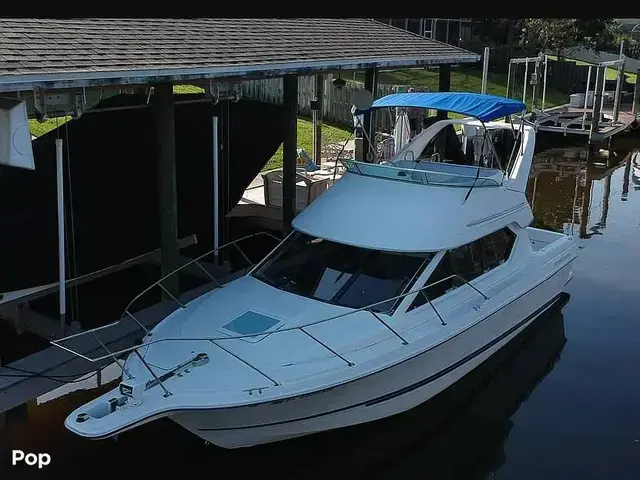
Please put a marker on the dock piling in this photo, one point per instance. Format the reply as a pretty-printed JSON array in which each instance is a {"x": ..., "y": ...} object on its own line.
[
  {"x": 597, "y": 100},
  {"x": 635, "y": 109},
  {"x": 317, "y": 119},
  {"x": 485, "y": 70},
  {"x": 163, "y": 115},
  {"x": 289, "y": 152},
  {"x": 62, "y": 291},
  {"x": 618, "y": 95}
]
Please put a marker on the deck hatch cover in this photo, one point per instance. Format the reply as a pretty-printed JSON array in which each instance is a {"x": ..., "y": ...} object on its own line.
[{"x": 251, "y": 323}]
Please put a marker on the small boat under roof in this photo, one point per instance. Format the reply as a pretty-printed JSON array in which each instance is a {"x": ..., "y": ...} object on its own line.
[{"x": 397, "y": 281}]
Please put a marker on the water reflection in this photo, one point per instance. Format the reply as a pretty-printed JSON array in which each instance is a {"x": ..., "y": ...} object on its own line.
[
  {"x": 90, "y": 381},
  {"x": 458, "y": 434},
  {"x": 569, "y": 189}
]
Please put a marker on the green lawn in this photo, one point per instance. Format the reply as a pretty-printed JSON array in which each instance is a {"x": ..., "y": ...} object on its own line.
[
  {"x": 305, "y": 140},
  {"x": 612, "y": 73},
  {"x": 38, "y": 129},
  {"x": 466, "y": 80}
]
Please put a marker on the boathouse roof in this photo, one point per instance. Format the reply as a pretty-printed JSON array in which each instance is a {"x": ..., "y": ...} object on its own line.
[{"x": 71, "y": 53}]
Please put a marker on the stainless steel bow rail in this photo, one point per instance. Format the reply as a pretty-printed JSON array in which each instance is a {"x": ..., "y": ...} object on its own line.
[{"x": 146, "y": 341}]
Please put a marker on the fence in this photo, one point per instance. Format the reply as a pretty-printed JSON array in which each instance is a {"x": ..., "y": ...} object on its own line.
[{"x": 336, "y": 105}]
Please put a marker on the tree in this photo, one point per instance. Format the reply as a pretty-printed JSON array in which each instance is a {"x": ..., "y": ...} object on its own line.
[{"x": 559, "y": 34}]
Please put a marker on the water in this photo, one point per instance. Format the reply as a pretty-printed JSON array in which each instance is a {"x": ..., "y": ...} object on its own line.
[{"x": 560, "y": 402}]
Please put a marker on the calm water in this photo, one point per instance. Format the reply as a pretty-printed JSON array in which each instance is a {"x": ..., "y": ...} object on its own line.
[{"x": 562, "y": 401}]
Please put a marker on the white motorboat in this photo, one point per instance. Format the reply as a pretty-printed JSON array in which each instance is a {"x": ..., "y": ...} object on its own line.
[{"x": 396, "y": 282}]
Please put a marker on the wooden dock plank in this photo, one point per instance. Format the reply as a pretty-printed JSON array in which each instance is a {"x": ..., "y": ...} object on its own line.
[{"x": 54, "y": 361}]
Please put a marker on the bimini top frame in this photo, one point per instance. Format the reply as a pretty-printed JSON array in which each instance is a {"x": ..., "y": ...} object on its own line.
[{"x": 481, "y": 106}]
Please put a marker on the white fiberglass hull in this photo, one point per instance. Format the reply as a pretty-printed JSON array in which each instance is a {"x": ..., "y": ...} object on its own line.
[{"x": 388, "y": 392}]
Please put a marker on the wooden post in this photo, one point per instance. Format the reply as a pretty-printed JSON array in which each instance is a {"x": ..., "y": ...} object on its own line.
[
  {"x": 163, "y": 117},
  {"x": 215, "y": 154},
  {"x": 317, "y": 119},
  {"x": 485, "y": 70},
  {"x": 618, "y": 96},
  {"x": 444, "y": 85},
  {"x": 370, "y": 84},
  {"x": 585, "y": 207},
  {"x": 625, "y": 178},
  {"x": 606, "y": 193},
  {"x": 635, "y": 109},
  {"x": 289, "y": 146},
  {"x": 224, "y": 170},
  {"x": 597, "y": 101}
]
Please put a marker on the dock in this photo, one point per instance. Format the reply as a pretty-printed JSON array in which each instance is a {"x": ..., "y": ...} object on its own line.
[
  {"x": 262, "y": 204},
  {"x": 566, "y": 119},
  {"x": 598, "y": 113},
  {"x": 52, "y": 362}
]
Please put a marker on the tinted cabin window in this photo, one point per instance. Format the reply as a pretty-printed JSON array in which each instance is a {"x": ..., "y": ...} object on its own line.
[
  {"x": 468, "y": 261},
  {"x": 340, "y": 274},
  {"x": 497, "y": 248}
]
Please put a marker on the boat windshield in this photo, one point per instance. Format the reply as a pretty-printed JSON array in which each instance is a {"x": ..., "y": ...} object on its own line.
[
  {"x": 341, "y": 274},
  {"x": 428, "y": 173}
]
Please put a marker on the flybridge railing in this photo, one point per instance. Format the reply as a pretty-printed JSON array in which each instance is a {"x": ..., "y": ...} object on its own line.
[
  {"x": 113, "y": 355},
  {"x": 196, "y": 262}
]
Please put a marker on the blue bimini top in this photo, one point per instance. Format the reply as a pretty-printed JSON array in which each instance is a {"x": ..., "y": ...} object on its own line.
[{"x": 481, "y": 106}]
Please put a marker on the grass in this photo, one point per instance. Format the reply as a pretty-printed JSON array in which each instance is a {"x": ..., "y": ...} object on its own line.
[
  {"x": 330, "y": 135},
  {"x": 612, "y": 74},
  {"x": 40, "y": 128},
  {"x": 465, "y": 80}
]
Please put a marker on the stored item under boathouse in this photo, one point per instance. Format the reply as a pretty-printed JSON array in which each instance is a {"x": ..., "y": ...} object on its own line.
[{"x": 140, "y": 173}]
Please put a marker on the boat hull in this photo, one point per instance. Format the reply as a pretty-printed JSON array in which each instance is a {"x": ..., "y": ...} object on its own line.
[{"x": 388, "y": 392}]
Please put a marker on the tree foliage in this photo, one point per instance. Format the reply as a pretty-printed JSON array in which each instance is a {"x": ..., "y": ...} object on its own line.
[
  {"x": 559, "y": 34},
  {"x": 550, "y": 34}
]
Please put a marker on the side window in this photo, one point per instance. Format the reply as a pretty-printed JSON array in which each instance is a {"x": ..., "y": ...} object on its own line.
[
  {"x": 465, "y": 261},
  {"x": 497, "y": 248},
  {"x": 469, "y": 261}
]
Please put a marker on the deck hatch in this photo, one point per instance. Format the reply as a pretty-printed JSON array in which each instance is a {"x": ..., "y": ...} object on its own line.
[{"x": 251, "y": 323}]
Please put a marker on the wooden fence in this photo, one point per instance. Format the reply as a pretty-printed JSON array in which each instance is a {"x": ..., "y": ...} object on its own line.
[{"x": 336, "y": 104}]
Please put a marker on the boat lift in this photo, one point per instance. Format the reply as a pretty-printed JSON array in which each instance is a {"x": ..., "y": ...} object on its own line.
[{"x": 586, "y": 114}]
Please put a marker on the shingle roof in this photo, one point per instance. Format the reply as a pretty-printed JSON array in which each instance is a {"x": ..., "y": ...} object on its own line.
[{"x": 72, "y": 51}]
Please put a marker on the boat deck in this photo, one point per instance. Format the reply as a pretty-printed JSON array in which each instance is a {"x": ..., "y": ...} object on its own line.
[
  {"x": 566, "y": 119},
  {"x": 53, "y": 362}
]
